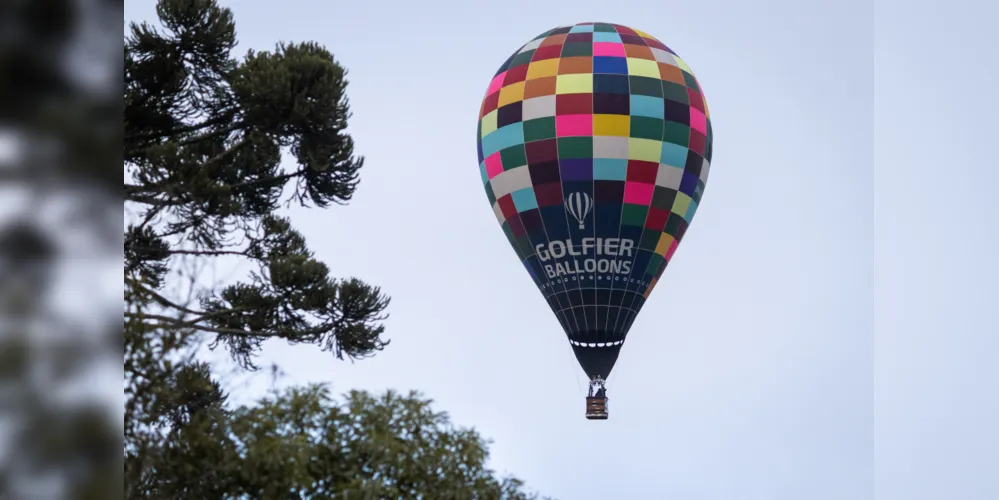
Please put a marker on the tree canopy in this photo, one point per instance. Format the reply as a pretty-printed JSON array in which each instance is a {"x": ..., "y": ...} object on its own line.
[{"x": 214, "y": 146}]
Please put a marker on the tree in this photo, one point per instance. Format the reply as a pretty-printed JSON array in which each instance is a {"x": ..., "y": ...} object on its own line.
[
  {"x": 203, "y": 140},
  {"x": 205, "y": 135}
]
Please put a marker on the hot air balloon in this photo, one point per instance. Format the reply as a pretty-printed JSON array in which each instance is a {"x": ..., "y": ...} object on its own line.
[{"x": 594, "y": 144}]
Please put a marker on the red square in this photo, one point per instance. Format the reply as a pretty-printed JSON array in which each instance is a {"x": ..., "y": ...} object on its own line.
[
  {"x": 656, "y": 220},
  {"x": 624, "y": 30},
  {"x": 516, "y": 226},
  {"x": 514, "y": 75},
  {"x": 489, "y": 104},
  {"x": 531, "y": 219},
  {"x": 542, "y": 151},
  {"x": 547, "y": 52},
  {"x": 697, "y": 142},
  {"x": 574, "y": 104},
  {"x": 651, "y": 42},
  {"x": 682, "y": 230},
  {"x": 507, "y": 207},
  {"x": 544, "y": 173},
  {"x": 548, "y": 194},
  {"x": 642, "y": 171},
  {"x": 632, "y": 40},
  {"x": 696, "y": 101}
]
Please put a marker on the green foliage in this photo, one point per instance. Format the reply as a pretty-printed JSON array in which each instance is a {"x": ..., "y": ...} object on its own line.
[
  {"x": 205, "y": 135},
  {"x": 183, "y": 441}
]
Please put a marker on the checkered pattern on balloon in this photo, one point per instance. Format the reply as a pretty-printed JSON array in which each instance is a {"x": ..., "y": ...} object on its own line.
[{"x": 594, "y": 145}]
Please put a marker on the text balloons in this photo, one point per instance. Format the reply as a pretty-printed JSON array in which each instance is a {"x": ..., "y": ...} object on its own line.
[{"x": 594, "y": 142}]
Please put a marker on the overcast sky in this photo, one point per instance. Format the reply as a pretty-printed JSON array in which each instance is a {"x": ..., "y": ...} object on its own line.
[{"x": 827, "y": 329}]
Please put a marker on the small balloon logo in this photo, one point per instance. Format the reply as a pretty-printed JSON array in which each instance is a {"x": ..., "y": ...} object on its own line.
[{"x": 579, "y": 205}]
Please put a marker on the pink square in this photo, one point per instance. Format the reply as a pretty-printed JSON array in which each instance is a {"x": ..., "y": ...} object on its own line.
[
  {"x": 672, "y": 248},
  {"x": 698, "y": 121},
  {"x": 638, "y": 193},
  {"x": 573, "y": 125},
  {"x": 609, "y": 49},
  {"x": 494, "y": 165},
  {"x": 496, "y": 84}
]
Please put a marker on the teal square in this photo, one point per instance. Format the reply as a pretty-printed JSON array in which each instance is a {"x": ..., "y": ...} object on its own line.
[
  {"x": 675, "y": 92},
  {"x": 655, "y": 263},
  {"x": 673, "y": 225},
  {"x": 490, "y": 194},
  {"x": 539, "y": 129},
  {"x": 606, "y": 37},
  {"x": 674, "y": 155},
  {"x": 643, "y": 105},
  {"x": 643, "y": 85},
  {"x": 576, "y": 49},
  {"x": 643, "y": 127},
  {"x": 544, "y": 35},
  {"x": 676, "y": 133},
  {"x": 634, "y": 215},
  {"x": 689, "y": 216},
  {"x": 513, "y": 157},
  {"x": 522, "y": 58},
  {"x": 605, "y": 169},
  {"x": 502, "y": 138},
  {"x": 698, "y": 191},
  {"x": 524, "y": 199},
  {"x": 575, "y": 147},
  {"x": 691, "y": 81}
]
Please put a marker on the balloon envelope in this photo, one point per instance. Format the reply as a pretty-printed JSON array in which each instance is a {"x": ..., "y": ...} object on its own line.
[{"x": 594, "y": 142}]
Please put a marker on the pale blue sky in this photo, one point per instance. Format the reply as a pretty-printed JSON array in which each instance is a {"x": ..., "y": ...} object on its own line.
[{"x": 824, "y": 331}]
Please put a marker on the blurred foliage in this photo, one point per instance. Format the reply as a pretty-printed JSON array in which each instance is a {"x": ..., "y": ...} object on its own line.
[
  {"x": 204, "y": 138},
  {"x": 59, "y": 139}
]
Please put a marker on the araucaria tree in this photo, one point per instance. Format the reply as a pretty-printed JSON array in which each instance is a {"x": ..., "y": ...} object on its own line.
[{"x": 205, "y": 136}]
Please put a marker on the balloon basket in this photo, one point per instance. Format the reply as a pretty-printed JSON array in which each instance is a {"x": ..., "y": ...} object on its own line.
[{"x": 596, "y": 408}]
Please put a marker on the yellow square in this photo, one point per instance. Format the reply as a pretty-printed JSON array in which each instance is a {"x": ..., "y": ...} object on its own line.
[
  {"x": 511, "y": 93},
  {"x": 682, "y": 65},
  {"x": 664, "y": 243},
  {"x": 681, "y": 204},
  {"x": 574, "y": 84},
  {"x": 644, "y": 149},
  {"x": 541, "y": 69},
  {"x": 489, "y": 122},
  {"x": 643, "y": 67},
  {"x": 612, "y": 125},
  {"x": 642, "y": 33}
]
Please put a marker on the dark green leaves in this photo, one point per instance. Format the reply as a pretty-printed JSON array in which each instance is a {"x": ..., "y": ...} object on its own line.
[{"x": 205, "y": 134}]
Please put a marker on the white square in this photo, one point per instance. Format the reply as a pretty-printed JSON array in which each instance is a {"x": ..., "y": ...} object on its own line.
[
  {"x": 510, "y": 181},
  {"x": 610, "y": 147},
  {"x": 663, "y": 56},
  {"x": 533, "y": 44},
  {"x": 538, "y": 107},
  {"x": 669, "y": 176},
  {"x": 499, "y": 213}
]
